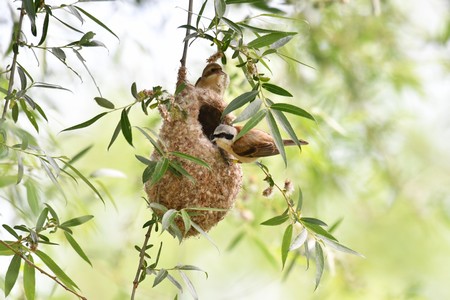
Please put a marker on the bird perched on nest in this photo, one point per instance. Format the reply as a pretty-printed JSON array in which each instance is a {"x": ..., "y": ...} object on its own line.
[
  {"x": 251, "y": 146},
  {"x": 213, "y": 78},
  {"x": 216, "y": 80}
]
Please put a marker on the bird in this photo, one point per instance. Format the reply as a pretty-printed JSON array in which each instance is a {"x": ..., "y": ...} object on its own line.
[
  {"x": 213, "y": 78},
  {"x": 251, "y": 146}
]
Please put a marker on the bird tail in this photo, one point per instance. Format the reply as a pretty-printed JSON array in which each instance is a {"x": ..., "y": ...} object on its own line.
[{"x": 292, "y": 143}]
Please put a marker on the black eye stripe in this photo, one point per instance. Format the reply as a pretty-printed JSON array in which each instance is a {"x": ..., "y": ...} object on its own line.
[{"x": 227, "y": 136}]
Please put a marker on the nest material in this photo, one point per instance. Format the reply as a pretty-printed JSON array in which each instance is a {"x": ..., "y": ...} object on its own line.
[{"x": 186, "y": 128}]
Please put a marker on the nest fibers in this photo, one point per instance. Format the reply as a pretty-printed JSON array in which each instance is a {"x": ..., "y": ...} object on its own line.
[{"x": 186, "y": 128}]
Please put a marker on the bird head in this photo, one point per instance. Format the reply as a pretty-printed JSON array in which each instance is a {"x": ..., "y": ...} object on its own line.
[
  {"x": 224, "y": 134},
  {"x": 213, "y": 77}
]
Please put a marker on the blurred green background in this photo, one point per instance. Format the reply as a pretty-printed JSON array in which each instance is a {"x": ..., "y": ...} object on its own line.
[{"x": 378, "y": 160}]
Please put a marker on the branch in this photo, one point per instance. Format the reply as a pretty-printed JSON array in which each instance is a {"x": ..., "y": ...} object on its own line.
[
  {"x": 54, "y": 278},
  {"x": 141, "y": 261},
  {"x": 14, "y": 61},
  {"x": 188, "y": 31}
]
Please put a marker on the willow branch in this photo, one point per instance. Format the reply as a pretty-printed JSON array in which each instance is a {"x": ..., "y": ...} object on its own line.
[
  {"x": 54, "y": 278},
  {"x": 14, "y": 61},
  {"x": 188, "y": 31},
  {"x": 141, "y": 268}
]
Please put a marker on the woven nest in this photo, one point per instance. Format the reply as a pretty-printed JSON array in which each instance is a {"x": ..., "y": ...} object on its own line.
[{"x": 186, "y": 128}]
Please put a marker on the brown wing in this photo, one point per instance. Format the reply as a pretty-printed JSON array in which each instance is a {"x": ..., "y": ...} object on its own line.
[{"x": 255, "y": 143}]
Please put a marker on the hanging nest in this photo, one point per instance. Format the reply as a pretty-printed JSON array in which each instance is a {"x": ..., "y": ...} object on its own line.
[{"x": 187, "y": 127}]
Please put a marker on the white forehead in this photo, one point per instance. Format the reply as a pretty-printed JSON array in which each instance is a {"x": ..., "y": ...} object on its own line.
[{"x": 222, "y": 128}]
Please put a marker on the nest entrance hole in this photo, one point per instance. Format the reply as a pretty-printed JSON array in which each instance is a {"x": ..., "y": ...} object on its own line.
[{"x": 209, "y": 117}]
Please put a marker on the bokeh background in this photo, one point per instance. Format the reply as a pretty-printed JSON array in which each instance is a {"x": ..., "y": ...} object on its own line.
[{"x": 377, "y": 81}]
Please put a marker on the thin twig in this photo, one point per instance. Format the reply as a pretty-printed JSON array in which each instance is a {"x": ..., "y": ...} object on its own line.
[
  {"x": 54, "y": 278},
  {"x": 14, "y": 61},
  {"x": 140, "y": 268},
  {"x": 188, "y": 31}
]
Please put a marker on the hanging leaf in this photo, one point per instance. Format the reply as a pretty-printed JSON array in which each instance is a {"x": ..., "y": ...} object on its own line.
[
  {"x": 252, "y": 123},
  {"x": 196, "y": 160},
  {"x": 76, "y": 247},
  {"x": 126, "y": 126},
  {"x": 319, "y": 264},
  {"x": 160, "y": 276},
  {"x": 95, "y": 20},
  {"x": 276, "y": 136},
  {"x": 87, "y": 123},
  {"x": 56, "y": 269},
  {"x": 168, "y": 218},
  {"x": 276, "y": 220},
  {"x": 77, "y": 221},
  {"x": 313, "y": 221},
  {"x": 29, "y": 279},
  {"x": 219, "y": 7},
  {"x": 240, "y": 101},
  {"x": 248, "y": 112},
  {"x": 41, "y": 220},
  {"x": 276, "y": 89},
  {"x": 12, "y": 273},
  {"x": 189, "y": 285},
  {"x": 287, "y": 237},
  {"x": 299, "y": 240},
  {"x": 45, "y": 25},
  {"x": 115, "y": 135},
  {"x": 340, "y": 247},
  {"x": 31, "y": 13},
  {"x": 160, "y": 170}
]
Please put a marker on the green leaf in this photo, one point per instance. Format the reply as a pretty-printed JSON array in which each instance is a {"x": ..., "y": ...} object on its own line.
[
  {"x": 32, "y": 196},
  {"x": 144, "y": 160},
  {"x": 243, "y": 1},
  {"x": 292, "y": 109},
  {"x": 115, "y": 135},
  {"x": 319, "y": 264},
  {"x": 84, "y": 179},
  {"x": 319, "y": 230},
  {"x": 287, "y": 237},
  {"x": 126, "y": 126},
  {"x": 285, "y": 124},
  {"x": 19, "y": 168},
  {"x": 186, "y": 220},
  {"x": 31, "y": 13},
  {"x": 162, "y": 274},
  {"x": 313, "y": 221},
  {"x": 76, "y": 247},
  {"x": 59, "y": 53},
  {"x": 276, "y": 89},
  {"x": 340, "y": 247},
  {"x": 248, "y": 112},
  {"x": 189, "y": 285},
  {"x": 276, "y": 220},
  {"x": 45, "y": 25},
  {"x": 276, "y": 136},
  {"x": 56, "y": 269},
  {"x": 12, "y": 273},
  {"x": 236, "y": 28},
  {"x": 148, "y": 172},
  {"x": 53, "y": 213},
  {"x": 175, "y": 283},
  {"x": 235, "y": 241},
  {"x": 299, "y": 201},
  {"x": 202, "y": 232},
  {"x": 87, "y": 123},
  {"x": 95, "y": 20},
  {"x": 41, "y": 220},
  {"x": 219, "y": 8},
  {"x": 269, "y": 39},
  {"x": 252, "y": 123},
  {"x": 191, "y": 268},
  {"x": 11, "y": 231},
  {"x": 29, "y": 279},
  {"x": 23, "y": 78},
  {"x": 104, "y": 102},
  {"x": 299, "y": 240},
  {"x": 134, "y": 92},
  {"x": 160, "y": 170},
  {"x": 178, "y": 170},
  {"x": 49, "y": 86},
  {"x": 180, "y": 88},
  {"x": 240, "y": 101},
  {"x": 77, "y": 221},
  {"x": 168, "y": 218},
  {"x": 154, "y": 143},
  {"x": 194, "y": 159},
  {"x": 29, "y": 115}
]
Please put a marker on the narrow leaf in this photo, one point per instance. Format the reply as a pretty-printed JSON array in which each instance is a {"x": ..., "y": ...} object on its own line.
[
  {"x": 287, "y": 238},
  {"x": 44, "y": 27},
  {"x": 314, "y": 221},
  {"x": 160, "y": 170},
  {"x": 240, "y": 101},
  {"x": 276, "y": 220},
  {"x": 31, "y": 13},
  {"x": 319, "y": 264},
  {"x": 286, "y": 125},
  {"x": 168, "y": 218},
  {"x": 340, "y": 247},
  {"x": 76, "y": 247},
  {"x": 77, "y": 221},
  {"x": 126, "y": 126},
  {"x": 202, "y": 232},
  {"x": 186, "y": 220},
  {"x": 148, "y": 172},
  {"x": 154, "y": 143},
  {"x": 319, "y": 230},
  {"x": 194, "y": 159},
  {"x": 115, "y": 135},
  {"x": 248, "y": 112},
  {"x": 219, "y": 8},
  {"x": 276, "y": 89},
  {"x": 292, "y": 109},
  {"x": 299, "y": 240},
  {"x": 87, "y": 123},
  {"x": 269, "y": 39},
  {"x": 252, "y": 123},
  {"x": 23, "y": 78},
  {"x": 12, "y": 273},
  {"x": 160, "y": 276},
  {"x": 41, "y": 220},
  {"x": 56, "y": 269},
  {"x": 104, "y": 102},
  {"x": 53, "y": 213},
  {"x": 95, "y": 20},
  {"x": 276, "y": 136},
  {"x": 189, "y": 285},
  {"x": 29, "y": 279},
  {"x": 175, "y": 282},
  {"x": 200, "y": 13}
]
